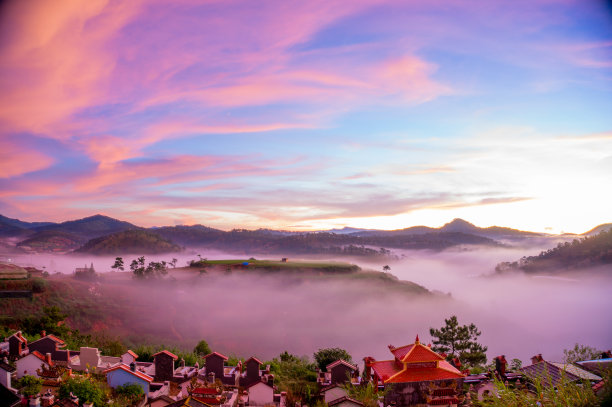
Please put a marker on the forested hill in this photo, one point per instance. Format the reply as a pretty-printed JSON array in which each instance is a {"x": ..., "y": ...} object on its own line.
[
  {"x": 129, "y": 241},
  {"x": 589, "y": 251}
]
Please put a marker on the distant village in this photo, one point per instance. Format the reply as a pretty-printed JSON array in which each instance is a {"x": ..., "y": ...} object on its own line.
[{"x": 413, "y": 375}]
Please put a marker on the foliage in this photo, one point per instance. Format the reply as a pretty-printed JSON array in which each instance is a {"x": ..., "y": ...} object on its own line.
[
  {"x": 118, "y": 265},
  {"x": 324, "y": 357},
  {"x": 459, "y": 341},
  {"x": 39, "y": 285},
  {"x": 87, "y": 389},
  {"x": 50, "y": 321},
  {"x": 516, "y": 364},
  {"x": 580, "y": 352},
  {"x": 129, "y": 241},
  {"x": 541, "y": 394},
  {"x": 367, "y": 393},
  {"x": 580, "y": 253},
  {"x": 202, "y": 348},
  {"x": 131, "y": 391},
  {"x": 295, "y": 375},
  {"x": 386, "y": 268},
  {"x": 153, "y": 270},
  {"x": 30, "y": 385}
]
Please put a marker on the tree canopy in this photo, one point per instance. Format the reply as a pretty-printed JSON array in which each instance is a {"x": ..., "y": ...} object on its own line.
[
  {"x": 459, "y": 341},
  {"x": 202, "y": 348},
  {"x": 324, "y": 357}
]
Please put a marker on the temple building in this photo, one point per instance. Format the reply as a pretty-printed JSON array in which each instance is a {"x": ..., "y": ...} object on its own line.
[{"x": 416, "y": 376}]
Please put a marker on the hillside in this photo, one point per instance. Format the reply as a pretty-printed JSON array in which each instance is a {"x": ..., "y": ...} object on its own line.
[
  {"x": 90, "y": 227},
  {"x": 170, "y": 311},
  {"x": 598, "y": 229},
  {"x": 129, "y": 241},
  {"x": 51, "y": 241},
  {"x": 590, "y": 251}
]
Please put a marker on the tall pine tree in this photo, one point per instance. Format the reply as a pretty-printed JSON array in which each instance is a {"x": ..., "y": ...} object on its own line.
[{"x": 459, "y": 341}]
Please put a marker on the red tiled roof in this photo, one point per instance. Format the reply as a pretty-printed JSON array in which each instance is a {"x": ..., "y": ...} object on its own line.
[
  {"x": 134, "y": 355},
  {"x": 423, "y": 374},
  {"x": 414, "y": 363},
  {"x": 421, "y": 353},
  {"x": 400, "y": 352},
  {"x": 56, "y": 339},
  {"x": 172, "y": 355},
  {"x": 41, "y": 357},
  {"x": 385, "y": 369},
  {"x": 341, "y": 362},
  {"x": 123, "y": 367},
  {"x": 216, "y": 353}
]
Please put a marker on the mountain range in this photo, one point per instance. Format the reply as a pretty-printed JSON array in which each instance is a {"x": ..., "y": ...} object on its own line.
[{"x": 101, "y": 234}]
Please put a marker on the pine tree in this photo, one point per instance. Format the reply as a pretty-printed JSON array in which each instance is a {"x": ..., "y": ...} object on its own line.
[{"x": 459, "y": 341}]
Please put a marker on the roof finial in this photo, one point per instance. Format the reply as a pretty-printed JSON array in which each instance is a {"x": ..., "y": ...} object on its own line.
[{"x": 417, "y": 339}]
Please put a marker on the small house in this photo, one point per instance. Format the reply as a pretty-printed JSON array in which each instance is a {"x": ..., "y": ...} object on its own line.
[
  {"x": 121, "y": 375},
  {"x": 29, "y": 364}
]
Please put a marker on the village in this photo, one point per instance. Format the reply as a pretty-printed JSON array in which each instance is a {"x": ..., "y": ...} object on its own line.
[{"x": 44, "y": 373}]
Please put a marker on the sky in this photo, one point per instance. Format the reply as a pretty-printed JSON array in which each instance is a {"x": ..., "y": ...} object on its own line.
[{"x": 308, "y": 115}]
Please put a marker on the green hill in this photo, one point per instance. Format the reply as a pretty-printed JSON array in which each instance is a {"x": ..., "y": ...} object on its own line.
[
  {"x": 129, "y": 241},
  {"x": 52, "y": 241},
  {"x": 590, "y": 251}
]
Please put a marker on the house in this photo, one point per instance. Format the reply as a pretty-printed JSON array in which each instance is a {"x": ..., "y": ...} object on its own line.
[
  {"x": 333, "y": 392},
  {"x": 416, "y": 375},
  {"x": 121, "y": 374},
  {"x": 128, "y": 357},
  {"x": 164, "y": 365},
  {"x": 253, "y": 372},
  {"x": 552, "y": 374},
  {"x": 215, "y": 368},
  {"x": 597, "y": 366},
  {"x": 50, "y": 344},
  {"x": 18, "y": 345},
  {"x": 6, "y": 371},
  {"x": 29, "y": 364},
  {"x": 261, "y": 393},
  {"x": 341, "y": 371},
  {"x": 345, "y": 402}
]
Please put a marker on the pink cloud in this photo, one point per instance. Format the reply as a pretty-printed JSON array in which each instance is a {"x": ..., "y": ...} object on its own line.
[{"x": 16, "y": 159}]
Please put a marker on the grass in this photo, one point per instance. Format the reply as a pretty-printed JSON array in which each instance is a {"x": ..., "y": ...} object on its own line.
[{"x": 274, "y": 263}]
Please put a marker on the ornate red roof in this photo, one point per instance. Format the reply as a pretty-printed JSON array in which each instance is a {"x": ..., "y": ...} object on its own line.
[{"x": 414, "y": 363}]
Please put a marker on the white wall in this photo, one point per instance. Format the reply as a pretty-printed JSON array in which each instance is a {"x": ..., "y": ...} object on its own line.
[
  {"x": 260, "y": 395},
  {"x": 28, "y": 364}
]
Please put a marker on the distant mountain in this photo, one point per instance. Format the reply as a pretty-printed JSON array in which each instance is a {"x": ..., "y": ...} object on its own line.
[
  {"x": 90, "y": 227},
  {"x": 598, "y": 229},
  {"x": 21, "y": 224},
  {"x": 129, "y": 242},
  {"x": 15, "y": 227},
  {"x": 456, "y": 226},
  {"x": 590, "y": 251},
  {"x": 52, "y": 241},
  {"x": 189, "y": 235}
]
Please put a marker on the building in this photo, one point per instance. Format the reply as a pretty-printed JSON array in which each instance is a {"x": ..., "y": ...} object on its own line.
[
  {"x": 121, "y": 374},
  {"x": 552, "y": 374},
  {"x": 416, "y": 376},
  {"x": 32, "y": 362},
  {"x": 90, "y": 360},
  {"x": 261, "y": 393},
  {"x": 333, "y": 392},
  {"x": 18, "y": 345}
]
